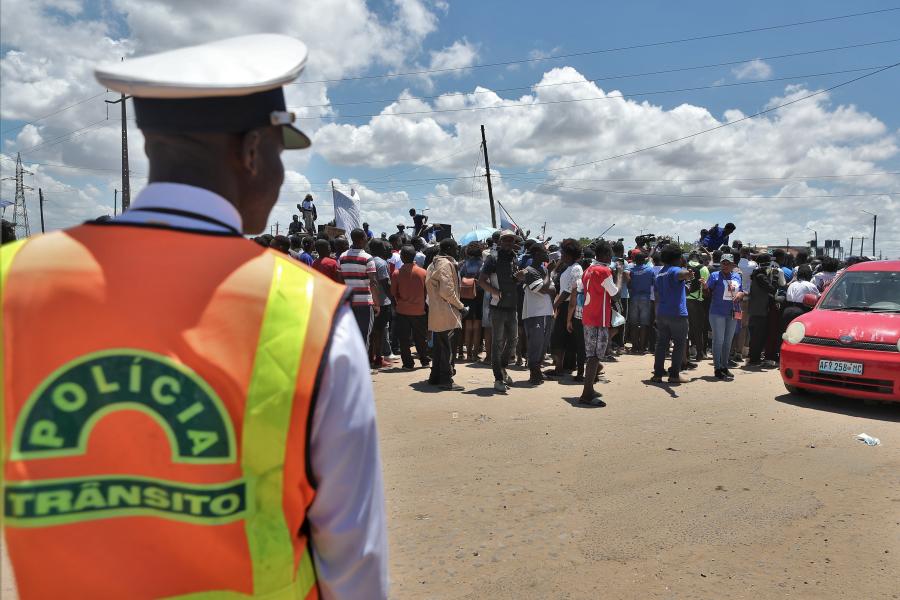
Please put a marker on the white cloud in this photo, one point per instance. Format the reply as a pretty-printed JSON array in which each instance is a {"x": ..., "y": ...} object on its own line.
[
  {"x": 755, "y": 69},
  {"x": 810, "y": 138},
  {"x": 346, "y": 38},
  {"x": 458, "y": 55}
]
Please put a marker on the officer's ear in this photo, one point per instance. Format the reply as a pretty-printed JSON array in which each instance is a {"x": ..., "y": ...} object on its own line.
[{"x": 251, "y": 155}]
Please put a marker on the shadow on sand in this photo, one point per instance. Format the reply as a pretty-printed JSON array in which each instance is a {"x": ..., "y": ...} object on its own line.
[{"x": 885, "y": 411}]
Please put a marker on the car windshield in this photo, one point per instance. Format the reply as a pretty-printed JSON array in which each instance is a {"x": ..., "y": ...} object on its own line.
[{"x": 874, "y": 291}]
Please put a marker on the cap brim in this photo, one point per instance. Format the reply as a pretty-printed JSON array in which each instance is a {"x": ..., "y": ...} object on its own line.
[{"x": 294, "y": 139}]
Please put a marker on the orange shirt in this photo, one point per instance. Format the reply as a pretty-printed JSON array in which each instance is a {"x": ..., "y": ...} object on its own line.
[{"x": 408, "y": 289}]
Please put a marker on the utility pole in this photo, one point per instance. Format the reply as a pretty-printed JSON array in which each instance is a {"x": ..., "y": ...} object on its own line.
[
  {"x": 852, "y": 239},
  {"x": 126, "y": 187},
  {"x": 874, "y": 227},
  {"x": 862, "y": 246},
  {"x": 487, "y": 168},
  {"x": 20, "y": 211},
  {"x": 41, "y": 204},
  {"x": 115, "y": 197}
]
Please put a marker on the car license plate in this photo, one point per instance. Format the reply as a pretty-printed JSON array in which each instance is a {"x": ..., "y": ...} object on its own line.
[{"x": 838, "y": 366}]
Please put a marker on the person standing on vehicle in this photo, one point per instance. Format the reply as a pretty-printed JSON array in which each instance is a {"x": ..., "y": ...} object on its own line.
[{"x": 310, "y": 215}]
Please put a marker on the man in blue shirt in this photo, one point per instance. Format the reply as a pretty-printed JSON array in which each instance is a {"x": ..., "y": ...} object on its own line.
[
  {"x": 308, "y": 244},
  {"x": 717, "y": 236},
  {"x": 671, "y": 314},
  {"x": 640, "y": 281}
]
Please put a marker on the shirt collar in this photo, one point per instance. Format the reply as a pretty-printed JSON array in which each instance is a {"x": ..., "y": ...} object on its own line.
[{"x": 188, "y": 198}]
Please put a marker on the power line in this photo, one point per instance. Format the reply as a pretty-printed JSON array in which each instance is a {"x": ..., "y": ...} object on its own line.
[
  {"x": 417, "y": 167},
  {"x": 718, "y": 197},
  {"x": 67, "y": 136},
  {"x": 607, "y": 77},
  {"x": 605, "y": 50},
  {"x": 74, "y": 167},
  {"x": 716, "y": 128},
  {"x": 515, "y": 176},
  {"x": 593, "y": 98},
  {"x": 56, "y": 112},
  {"x": 795, "y": 177}
]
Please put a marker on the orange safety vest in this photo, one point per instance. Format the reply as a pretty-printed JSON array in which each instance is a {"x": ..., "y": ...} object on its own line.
[{"x": 158, "y": 387}]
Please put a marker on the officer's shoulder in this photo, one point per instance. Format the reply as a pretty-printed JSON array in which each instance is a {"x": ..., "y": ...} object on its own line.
[{"x": 319, "y": 279}]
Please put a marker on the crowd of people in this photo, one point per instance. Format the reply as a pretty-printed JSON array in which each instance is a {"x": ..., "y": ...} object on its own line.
[{"x": 508, "y": 301}]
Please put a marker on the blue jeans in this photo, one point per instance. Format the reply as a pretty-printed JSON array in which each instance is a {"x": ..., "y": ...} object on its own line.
[
  {"x": 723, "y": 328},
  {"x": 639, "y": 311}
]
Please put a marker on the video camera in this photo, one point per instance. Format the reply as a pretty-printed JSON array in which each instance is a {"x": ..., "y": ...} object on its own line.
[{"x": 645, "y": 241}]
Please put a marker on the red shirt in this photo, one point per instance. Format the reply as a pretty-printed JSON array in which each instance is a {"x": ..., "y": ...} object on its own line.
[
  {"x": 327, "y": 266},
  {"x": 597, "y": 310},
  {"x": 408, "y": 289}
]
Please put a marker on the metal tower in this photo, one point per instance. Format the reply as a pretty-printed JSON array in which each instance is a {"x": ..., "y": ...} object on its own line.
[{"x": 20, "y": 211}]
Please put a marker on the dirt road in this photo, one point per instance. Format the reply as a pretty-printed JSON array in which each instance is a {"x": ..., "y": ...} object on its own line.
[{"x": 706, "y": 490}]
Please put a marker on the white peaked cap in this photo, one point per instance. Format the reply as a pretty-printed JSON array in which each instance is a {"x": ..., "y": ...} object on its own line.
[
  {"x": 232, "y": 85},
  {"x": 232, "y": 67}
]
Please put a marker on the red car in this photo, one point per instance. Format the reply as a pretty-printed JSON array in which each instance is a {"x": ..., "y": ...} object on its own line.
[{"x": 849, "y": 344}]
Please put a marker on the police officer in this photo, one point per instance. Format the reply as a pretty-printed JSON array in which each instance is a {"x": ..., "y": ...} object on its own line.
[{"x": 190, "y": 413}]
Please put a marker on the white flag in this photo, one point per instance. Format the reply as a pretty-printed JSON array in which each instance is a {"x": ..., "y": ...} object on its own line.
[{"x": 346, "y": 211}]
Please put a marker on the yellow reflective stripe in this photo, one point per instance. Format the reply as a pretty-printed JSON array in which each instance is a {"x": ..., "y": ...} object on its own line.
[
  {"x": 306, "y": 574},
  {"x": 267, "y": 415},
  {"x": 7, "y": 253},
  {"x": 299, "y": 590}
]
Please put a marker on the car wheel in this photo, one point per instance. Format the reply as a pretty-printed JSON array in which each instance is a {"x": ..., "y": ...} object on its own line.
[{"x": 793, "y": 389}]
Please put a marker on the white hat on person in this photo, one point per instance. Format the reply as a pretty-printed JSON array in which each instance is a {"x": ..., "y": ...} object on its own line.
[{"x": 227, "y": 86}]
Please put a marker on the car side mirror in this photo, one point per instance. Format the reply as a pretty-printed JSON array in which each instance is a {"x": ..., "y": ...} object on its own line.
[{"x": 810, "y": 300}]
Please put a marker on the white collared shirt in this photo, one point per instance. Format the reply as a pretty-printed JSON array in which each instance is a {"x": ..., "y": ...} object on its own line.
[
  {"x": 347, "y": 520},
  {"x": 221, "y": 214}
]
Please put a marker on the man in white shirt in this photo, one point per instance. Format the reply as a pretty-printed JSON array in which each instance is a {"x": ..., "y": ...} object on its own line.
[{"x": 310, "y": 215}]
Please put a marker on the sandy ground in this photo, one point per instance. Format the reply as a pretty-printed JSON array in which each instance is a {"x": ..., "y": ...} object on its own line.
[{"x": 705, "y": 490}]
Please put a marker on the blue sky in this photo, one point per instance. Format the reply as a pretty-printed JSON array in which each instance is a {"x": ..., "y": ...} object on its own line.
[{"x": 851, "y": 131}]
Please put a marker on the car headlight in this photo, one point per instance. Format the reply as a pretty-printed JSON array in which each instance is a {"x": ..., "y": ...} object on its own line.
[
  {"x": 898, "y": 345},
  {"x": 795, "y": 333}
]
